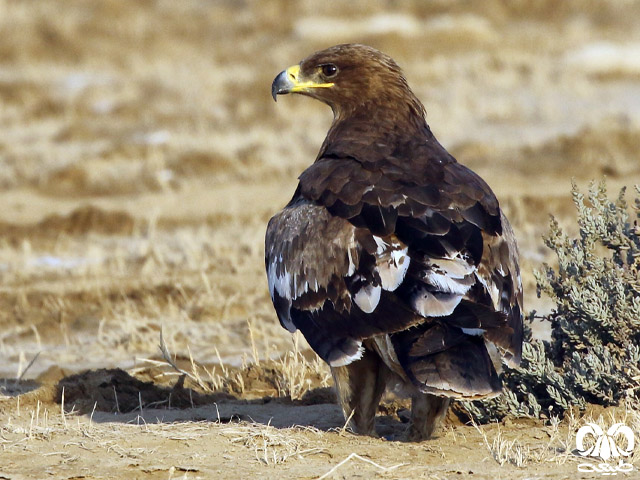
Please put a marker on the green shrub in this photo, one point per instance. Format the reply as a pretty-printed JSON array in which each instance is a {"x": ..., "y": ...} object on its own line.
[{"x": 594, "y": 353}]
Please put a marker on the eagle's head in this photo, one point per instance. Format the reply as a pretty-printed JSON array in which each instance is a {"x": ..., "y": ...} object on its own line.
[{"x": 350, "y": 78}]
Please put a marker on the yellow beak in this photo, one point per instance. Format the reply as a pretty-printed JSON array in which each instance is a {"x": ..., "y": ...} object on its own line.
[{"x": 288, "y": 81}]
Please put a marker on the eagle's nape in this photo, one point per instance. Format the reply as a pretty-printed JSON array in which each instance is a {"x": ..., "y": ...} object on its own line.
[{"x": 394, "y": 260}]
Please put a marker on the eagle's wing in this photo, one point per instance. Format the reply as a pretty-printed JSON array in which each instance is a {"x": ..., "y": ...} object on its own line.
[
  {"x": 326, "y": 280},
  {"x": 362, "y": 253}
]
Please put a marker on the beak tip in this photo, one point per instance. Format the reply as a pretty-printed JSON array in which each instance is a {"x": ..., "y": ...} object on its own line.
[{"x": 280, "y": 85}]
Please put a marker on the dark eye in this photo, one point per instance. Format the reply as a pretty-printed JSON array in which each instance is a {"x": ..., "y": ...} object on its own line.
[{"x": 329, "y": 70}]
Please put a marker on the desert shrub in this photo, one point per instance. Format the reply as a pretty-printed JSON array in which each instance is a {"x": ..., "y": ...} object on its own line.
[{"x": 594, "y": 353}]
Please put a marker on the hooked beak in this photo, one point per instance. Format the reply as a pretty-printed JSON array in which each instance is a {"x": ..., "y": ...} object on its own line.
[
  {"x": 288, "y": 81},
  {"x": 282, "y": 84}
]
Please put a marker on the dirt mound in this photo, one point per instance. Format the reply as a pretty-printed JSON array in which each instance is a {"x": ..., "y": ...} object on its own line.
[
  {"x": 194, "y": 163},
  {"x": 609, "y": 148},
  {"x": 89, "y": 218},
  {"x": 82, "y": 220},
  {"x": 115, "y": 390}
]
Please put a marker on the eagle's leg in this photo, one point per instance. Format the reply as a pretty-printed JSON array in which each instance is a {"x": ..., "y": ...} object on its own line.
[
  {"x": 360, "y": 386},
  {"x": 427, "y": 411}
]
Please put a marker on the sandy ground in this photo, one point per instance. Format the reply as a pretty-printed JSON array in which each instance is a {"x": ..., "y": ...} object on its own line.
[{"x": 141, "y": 156}]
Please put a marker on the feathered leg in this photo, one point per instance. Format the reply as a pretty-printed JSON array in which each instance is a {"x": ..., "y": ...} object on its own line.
[
  {"x": 360, "y": 386},
  {"x": 427, "y": 411}
]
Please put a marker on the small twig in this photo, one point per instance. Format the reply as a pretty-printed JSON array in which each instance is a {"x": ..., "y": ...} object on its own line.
[
  {"x": 92, "y": 412},
  {"x": 64, "y": 418},
  {"x": 164, "y": 350},
  {"x": 358, "y": 457},
  {"x": 346, "y": 423},
  {"x": 115, "y": 394},
  {"x": 225, "y": 372},
  {"x": 33, "y": 360},
  {"x": 254, "y": 349}
]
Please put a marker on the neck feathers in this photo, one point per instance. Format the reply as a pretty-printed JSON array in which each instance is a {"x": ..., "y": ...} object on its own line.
[{"x": 379, "y": 127}]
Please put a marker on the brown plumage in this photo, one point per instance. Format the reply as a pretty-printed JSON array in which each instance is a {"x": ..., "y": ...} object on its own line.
[{"x": 393, "y": 260}]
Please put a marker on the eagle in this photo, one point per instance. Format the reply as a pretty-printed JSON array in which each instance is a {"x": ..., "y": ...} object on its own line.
[{"x": 393, "y": 260}]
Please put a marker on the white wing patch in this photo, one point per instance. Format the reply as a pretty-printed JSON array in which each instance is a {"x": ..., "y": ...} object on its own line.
[
  {"x": 382, "y": 245},
  {"x": 392, "y": 263},
  {"x": 439, "y": 305},
  {"x": 447, "y": 284},
  {"x": 367, "y": 298},
  {"x": 282, "y": 285},
  {"x": 473, "y": 331},
  {"x": 449, "y": 280},
  {"x": 279, "y": 283},
  {"x": 346, "y": 360},
  {"x": 456, "y": 267},
  {"x": 393, "y": 268},
  {"x": 286, "y": 285},
  {"x": 352, "y": 265}
]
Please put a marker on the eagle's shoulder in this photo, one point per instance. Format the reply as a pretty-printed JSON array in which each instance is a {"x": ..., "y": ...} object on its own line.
[{"x": 371, "y": 186}]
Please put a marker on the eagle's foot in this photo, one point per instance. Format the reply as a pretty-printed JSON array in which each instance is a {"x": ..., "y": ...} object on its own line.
[
  {"x": 427, "y": 412},
  {"x": 359, "y": 388}
]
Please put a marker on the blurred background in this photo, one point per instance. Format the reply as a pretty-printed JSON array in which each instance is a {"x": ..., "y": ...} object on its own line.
[{"x": 141, "y": 154}]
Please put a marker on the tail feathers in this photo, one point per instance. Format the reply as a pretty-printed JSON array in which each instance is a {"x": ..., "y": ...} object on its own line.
[
  {"x": 500, "y": 328},
  {"x": 514, "y": 350},
  {"x": 436, "y": 339},
  {"x": 474, "y": 315},
  {"x": 463, "y": 370}
]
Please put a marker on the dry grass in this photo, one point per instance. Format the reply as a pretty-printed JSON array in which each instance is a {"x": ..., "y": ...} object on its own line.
[
  {"x": 505, "y": 446},
  {"x": 291, "y": 375},
  {"x": 213, "y": 382},
  {"x": 299, "y": 375},
  {"x": 355, "y": 456},
  {"x": 629, "y": 415},
  {"x": 122, "y": 291},
  {"x": 32, "y": 428},
  {"x": 273, "y": 446}
]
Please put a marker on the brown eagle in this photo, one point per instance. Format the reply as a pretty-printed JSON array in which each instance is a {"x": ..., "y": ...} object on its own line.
[{"x": 393, "y": 259}]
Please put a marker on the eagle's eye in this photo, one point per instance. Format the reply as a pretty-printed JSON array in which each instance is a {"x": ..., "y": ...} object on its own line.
[{"x": 329, "y": 70}]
